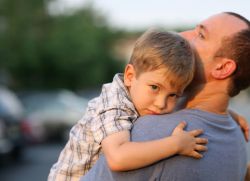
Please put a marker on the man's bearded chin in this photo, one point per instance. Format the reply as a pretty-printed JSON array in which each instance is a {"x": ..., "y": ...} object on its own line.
[{"x": 199, "y": 78}]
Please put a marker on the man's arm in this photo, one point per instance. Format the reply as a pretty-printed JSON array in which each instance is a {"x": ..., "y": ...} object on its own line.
[{"x": 122, "y": 155}]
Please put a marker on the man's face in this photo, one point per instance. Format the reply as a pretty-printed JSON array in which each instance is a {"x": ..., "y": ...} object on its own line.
[{"x": 206, "y": 39}]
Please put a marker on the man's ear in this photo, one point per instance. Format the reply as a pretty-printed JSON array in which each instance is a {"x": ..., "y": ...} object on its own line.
[
  {"x": 129, "y": 75},
  {"x": 224, "y": 68}
]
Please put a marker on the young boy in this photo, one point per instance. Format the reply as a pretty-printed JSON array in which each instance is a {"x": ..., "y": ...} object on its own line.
[{"x": 161, "y": 66}]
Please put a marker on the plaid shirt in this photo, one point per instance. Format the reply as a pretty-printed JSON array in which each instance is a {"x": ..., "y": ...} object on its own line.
[{"x": 111, "y": 112}]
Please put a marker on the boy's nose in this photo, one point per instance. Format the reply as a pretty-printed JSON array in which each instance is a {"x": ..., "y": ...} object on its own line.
[{"x": 160, "y": 103}]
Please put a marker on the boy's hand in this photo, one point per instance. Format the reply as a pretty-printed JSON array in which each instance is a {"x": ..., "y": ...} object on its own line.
[
  {"x": 188, "y": 142},
  {"x": 243, "y": 123},
  {"x": 247, "y": 178},
  {"x": 244, "y": 126}
]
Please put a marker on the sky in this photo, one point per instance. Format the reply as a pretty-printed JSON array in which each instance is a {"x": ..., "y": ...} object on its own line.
[{"x": 139, "y": 14}]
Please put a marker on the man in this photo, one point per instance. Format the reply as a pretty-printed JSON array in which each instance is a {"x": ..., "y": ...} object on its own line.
[{"x": 222, "y": 44}]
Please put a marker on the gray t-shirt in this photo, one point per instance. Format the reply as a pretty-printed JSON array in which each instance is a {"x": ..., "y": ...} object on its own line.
[{"x": 225, "y": 159}]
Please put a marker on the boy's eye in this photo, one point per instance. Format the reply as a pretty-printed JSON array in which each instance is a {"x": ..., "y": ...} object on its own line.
[
  {"x": 173, "y": 95},
  {"x": 154, "y": 87}
]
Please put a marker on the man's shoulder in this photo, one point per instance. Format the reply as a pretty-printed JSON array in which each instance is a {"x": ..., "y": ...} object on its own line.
[
  {"x": 166, "y": 118},
  {"x": 158, "y": 126},
  {"x": 152, "y": 127},
  {"x": 189, "y": 115}
]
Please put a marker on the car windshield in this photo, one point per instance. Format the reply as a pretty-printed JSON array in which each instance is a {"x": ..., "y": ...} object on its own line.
[
  {"x": 9, "y": 104},
  {"x": 55, "y": 101}
]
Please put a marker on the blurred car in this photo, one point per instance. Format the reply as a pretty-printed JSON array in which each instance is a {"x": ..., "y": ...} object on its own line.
[
  {"x": 50, "y": 115},
  {"x": 11, "y": 114}
]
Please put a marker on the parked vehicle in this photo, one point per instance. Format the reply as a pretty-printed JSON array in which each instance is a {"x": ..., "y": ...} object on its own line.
[
  {"x": 11, "y": 114},
  {"x": 50, "y": 115}
]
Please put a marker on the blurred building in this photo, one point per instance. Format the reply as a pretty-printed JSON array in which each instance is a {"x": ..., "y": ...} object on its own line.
[{"x": 123, "y": 48}]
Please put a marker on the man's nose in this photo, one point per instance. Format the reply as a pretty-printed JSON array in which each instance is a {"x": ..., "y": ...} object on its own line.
[
  {"x": 187, "y": 35},
  {"x": 190, "y": 37}
]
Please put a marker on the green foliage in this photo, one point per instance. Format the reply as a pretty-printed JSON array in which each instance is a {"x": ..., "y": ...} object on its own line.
[{"x": 44, "y": 51}]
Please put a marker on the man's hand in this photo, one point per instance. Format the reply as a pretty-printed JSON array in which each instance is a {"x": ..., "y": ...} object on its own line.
[{"x": 189, "y": 143}]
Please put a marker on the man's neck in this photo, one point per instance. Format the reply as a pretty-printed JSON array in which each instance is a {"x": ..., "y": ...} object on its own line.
[{"x": 212, "y": 99}]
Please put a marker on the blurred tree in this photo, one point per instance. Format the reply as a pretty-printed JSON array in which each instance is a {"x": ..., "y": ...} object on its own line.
[{"x": 40, "y": 50}]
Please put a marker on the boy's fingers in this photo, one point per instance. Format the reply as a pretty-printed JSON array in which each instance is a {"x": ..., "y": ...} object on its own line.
[
  {"x": 242, "y": 122},
  {"x": 247, "y": 136},
  {"x": 200, "y": 148},
  {"x": 244, "y": 126},
  {"x": 196, "y": 132},
  {"x": 196, "y": 155},
  {"x": 246, "y": 133},
  {"x": 201, "y": 140},
  {"x": 181, "y": 125}
]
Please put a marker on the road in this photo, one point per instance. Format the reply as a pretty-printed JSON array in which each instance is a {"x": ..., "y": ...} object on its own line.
[{"x": 35, "y": 163}]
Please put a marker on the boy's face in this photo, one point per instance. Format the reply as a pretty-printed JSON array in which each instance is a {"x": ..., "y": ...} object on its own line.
[{"x": 151, "y": 92}]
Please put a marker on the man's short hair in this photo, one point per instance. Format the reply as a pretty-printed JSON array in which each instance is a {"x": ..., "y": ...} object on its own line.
[
  {"x": 159, "y": 49},
  {"x": 237, "y": 48}
]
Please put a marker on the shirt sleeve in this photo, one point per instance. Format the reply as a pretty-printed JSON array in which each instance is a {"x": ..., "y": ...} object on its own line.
[{"x": 111, "y": 121}]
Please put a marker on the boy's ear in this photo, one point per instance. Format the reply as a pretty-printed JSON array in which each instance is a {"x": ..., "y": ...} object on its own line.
[
  {"x": 224, "y": 68},
  {"x": 129, "y": 74}
]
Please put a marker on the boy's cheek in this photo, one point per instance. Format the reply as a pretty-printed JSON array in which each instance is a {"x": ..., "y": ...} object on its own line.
[
  {"x": 170, "y": 109},
  {"x": 172, "y": 106}
]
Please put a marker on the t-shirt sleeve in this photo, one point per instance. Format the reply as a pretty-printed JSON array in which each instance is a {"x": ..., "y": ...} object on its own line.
[{"x": 111, "y": 121}]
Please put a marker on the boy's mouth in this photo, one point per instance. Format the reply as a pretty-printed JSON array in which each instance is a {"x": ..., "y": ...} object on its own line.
[{"x": 152, "y": 112}]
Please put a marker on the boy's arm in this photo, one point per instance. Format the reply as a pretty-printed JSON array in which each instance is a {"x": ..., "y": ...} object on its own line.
[
  {"x": 242, "y": 123},
  {"x": 122, "y": 155}
]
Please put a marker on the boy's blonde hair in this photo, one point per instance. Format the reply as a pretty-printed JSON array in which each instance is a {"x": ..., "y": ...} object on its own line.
[{"x": 158, "y": 49}]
